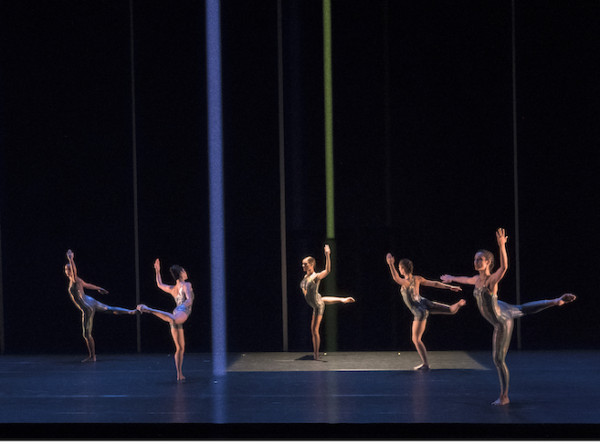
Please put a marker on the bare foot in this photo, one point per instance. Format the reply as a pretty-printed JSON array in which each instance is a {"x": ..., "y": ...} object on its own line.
[
  {"x": 502, "y": 400},
  {"x": 422, "y": 368},
  {"x": 455, "y": 307},
  {"x": 142, "y": 308},
  {"x": 90, "y": 359},
  {"x": 181, "y": 378},
  {"x": 565, "y": 299},
  {"x": 349, "y": 300}
]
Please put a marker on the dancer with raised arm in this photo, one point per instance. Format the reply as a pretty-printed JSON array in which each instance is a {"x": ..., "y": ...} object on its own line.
[
  {"x": 88, "y": 305},
  {"x": 498, "y": 313},
  {"x": 310, "y": 289},
  {"x": 419, "y": 306},
  {"x": 183, "y": 294}
]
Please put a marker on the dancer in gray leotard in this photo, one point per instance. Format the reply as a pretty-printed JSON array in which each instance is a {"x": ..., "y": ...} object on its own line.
[
  {"x": 88, "y": 305},
  {"x": 419, "y": 306},
  {"x": 183, "y": 294},
  {"x": 500, "y": 314},
  {"x": 310, "y": 290}
]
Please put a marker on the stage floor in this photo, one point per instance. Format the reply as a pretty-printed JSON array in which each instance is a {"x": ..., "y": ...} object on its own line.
[{"x": 547, "y": 387}]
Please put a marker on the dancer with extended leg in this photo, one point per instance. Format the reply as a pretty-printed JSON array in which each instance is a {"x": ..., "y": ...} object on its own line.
[
  {"x": 88, "y": 305},
  {"x": 310, "y": 289},
  {"x": 498, "y": 313},
  {"x": 183, "y": 294},
  {"x": 418, "y": 305}
]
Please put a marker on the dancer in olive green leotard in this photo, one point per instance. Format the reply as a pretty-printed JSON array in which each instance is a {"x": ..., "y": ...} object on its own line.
[
  {"x": 419, "y": 306},
  {"x": 310, "y": 290}
]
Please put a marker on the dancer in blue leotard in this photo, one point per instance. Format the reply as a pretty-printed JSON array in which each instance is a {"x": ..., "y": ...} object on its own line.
[
  {"x": 498, "y": 313},
  {"x": 183, "y": 294},
  {"x": 419, "y": 306}
]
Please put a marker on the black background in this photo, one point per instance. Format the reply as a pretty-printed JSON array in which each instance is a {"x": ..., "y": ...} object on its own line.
[{"x": 424, "y": 164}]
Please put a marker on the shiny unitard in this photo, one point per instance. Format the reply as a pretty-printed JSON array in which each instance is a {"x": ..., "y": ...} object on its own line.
[
  {"x": 501, "y": 315},
  {"x": 419, "y": 306},
  {"x": 88, "y": 306},
  {"x": 310, "y": 289}
]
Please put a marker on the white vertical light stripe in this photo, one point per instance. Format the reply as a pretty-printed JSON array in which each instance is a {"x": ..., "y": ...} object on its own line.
[{"x": 215, "y": 169}]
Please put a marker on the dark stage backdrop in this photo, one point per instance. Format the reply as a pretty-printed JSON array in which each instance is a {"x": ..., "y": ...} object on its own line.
[{"x": 424, "y": 165}]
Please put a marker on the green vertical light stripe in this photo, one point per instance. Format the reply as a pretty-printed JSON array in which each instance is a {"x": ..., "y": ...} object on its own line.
[
  {"x": 331, "y": 322},
  {"x": 328, "y": 119}
]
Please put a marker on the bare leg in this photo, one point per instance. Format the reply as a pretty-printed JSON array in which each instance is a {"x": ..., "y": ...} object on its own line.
[
  {"x": 315, "y": 324},
  {"x": 87, "y": 323},
  {"x": 418, "y": 328},
  {"x": 179, "y": 341},
  {"x": 437, "y": 308},
  {"x": 178, "y": 318},
  {"x": 335, "y": 300}
]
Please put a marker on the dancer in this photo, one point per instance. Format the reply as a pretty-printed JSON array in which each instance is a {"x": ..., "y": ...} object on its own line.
[
  {"x": 498, "y": 313},
  {"x": 420, "y": 306},
  {"x": 184, "y": 298},
  {"x": 88, "y": 305},
  {"x": 310, "y": 289}
]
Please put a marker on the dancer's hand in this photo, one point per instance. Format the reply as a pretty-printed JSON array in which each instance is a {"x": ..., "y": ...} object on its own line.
[
  {"x": 390, "y": 259},
  {"x": 501, "y": 236},
  {"x": 446, "y": 278},
  {"x": 102, "y": 291},
  {"x": 455, "y": 288},
  {"x": 157, "y": 265},
  {"x": 327, "y": 249},
  {"x": 70, "y": 254}
]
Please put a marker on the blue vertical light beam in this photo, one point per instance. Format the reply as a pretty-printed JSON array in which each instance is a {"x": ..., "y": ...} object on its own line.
[{"x": 215, "y": 174}]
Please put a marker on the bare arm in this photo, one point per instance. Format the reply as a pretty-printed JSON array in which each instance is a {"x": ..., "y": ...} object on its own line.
[
  {"x": 327, "y": 270},
  {"x": 497, "y": 276},
  {"x": 189, "y": 292},
  {"x": 159, "y": 282},
  {"x": 395, "y": 275},
  {"x": 70, "y": 256},
  {"x": 447, "y": 278},
  {"x": 438, "y": 284}
]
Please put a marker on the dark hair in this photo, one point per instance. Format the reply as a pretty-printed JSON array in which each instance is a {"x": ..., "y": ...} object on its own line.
[
  {"x": 406, "y": 264},
  {"x": 176, "y": 271},
  {"x": 489, "y": 256}
]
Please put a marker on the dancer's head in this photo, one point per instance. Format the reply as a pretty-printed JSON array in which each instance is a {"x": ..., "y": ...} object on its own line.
[
  {"x": 178, "y": 272},
  {"x": 308, "y": 264},
  {"x": 405, "y": 266},
  {"x": 483, "y": 260},
  {"x": 69, "y": 271}
]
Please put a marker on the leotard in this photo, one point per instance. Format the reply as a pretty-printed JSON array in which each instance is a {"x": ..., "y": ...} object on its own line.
[
  {"x": 310, "y": 289},
  {"x": 419, "y": 306}
]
